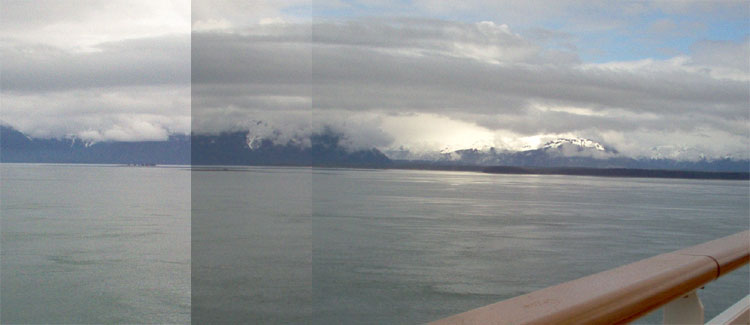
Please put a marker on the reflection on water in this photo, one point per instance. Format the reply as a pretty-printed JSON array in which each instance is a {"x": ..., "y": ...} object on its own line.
[{"x": 414, "y": 246}]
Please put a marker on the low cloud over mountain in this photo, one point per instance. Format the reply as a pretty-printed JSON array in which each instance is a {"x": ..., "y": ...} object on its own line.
[
  {"x": 652, "y": 79},
  {"x": 325, "y": 149}
]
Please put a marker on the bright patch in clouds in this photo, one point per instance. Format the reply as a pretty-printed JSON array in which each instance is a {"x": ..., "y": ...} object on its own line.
[{"x": 427, "y": 132}]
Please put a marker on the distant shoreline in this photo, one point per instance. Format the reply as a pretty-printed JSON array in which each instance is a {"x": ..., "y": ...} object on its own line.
[
  {"x": 617, "y": 172},
  {"x": 512, "y": 170},
  {"x": 508, "y": 170}
]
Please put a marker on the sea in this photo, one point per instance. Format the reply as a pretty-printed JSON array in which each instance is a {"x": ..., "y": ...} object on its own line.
[
  {"x": 94, "y": 244},
  {"x": 268, "y": 245}
]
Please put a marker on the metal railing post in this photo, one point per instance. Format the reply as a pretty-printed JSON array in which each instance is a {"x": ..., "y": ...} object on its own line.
[{"x": 685, "y": 310}]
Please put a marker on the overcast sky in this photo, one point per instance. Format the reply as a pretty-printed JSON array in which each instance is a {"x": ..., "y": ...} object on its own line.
[
  {"x": 666, "y": 77},
  {"x": 99, "y": 70}
]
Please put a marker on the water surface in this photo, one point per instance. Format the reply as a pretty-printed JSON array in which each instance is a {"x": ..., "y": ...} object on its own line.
[
  {"x": 108, "y": 244},
  {"x": 404, "y": 247},
  {"x": 252, "y": 246},
  {"x": 94, "y": 244}
]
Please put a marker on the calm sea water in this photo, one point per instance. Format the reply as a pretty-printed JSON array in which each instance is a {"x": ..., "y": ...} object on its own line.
[
  {"x": 252, "y": 246},
  {"x": 323, "y": 246},
  {"x": 94, "y": 244},
  {"x": 392, "y": 247}
]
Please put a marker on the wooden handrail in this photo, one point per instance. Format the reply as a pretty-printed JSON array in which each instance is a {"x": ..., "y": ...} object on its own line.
[{"x": 619, "y": 295}]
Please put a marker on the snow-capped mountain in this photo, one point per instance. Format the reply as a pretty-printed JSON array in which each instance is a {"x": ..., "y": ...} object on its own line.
[
  {"x": 561, "y": 147},
  {"x": 575, "y": 142},
  {"x": 558, "y": 152},
  {"x": 565, "y": 152},
  {"x": 558, "y": 148},
  {"x": 576, "y": 147}
]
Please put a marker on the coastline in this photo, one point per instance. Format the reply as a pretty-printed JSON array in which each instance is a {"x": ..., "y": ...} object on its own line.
[{"x": 510, "y": 170}]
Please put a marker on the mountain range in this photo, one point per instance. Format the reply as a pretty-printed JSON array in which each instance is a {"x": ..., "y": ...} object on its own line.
[
  {"x": 18, "y": 147},
  {"x": 229, "y": 148},
  {"x": 326, "y": 149}
]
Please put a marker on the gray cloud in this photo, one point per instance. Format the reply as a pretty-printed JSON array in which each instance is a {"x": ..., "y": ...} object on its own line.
[
  {"x": 127, "y": 91},
  {"x": 480, "y": 73},
  {"x": 152, "y": 61},
  {"x": 114, "y": 70},
  {"x": 727, "y": 59},
  {"x": 116, "y": 113},
  {"x": 251, "y": 65}
]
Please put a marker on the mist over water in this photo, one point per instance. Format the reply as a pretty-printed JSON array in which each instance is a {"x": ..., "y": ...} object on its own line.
[{"x": 94, "y": 244}]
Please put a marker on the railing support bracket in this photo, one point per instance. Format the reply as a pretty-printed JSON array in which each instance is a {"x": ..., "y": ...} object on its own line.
[{"x": 684, "y": 310}]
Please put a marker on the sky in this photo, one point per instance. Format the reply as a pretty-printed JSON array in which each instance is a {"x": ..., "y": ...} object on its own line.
[
  {"x": 648, "y": 78},
  {"x": 97, "y": 70}
]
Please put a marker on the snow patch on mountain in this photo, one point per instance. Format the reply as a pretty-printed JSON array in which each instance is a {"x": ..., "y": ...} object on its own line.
[
  {"x": 582, "y": 143},
  {"x": 576, "y": 147},
  {"x": 680, "y": 152},
  {"x": 73, "y": 139}
]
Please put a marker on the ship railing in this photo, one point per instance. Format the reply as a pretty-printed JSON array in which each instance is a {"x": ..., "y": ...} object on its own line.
[{"x": 626, "y": 293}]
